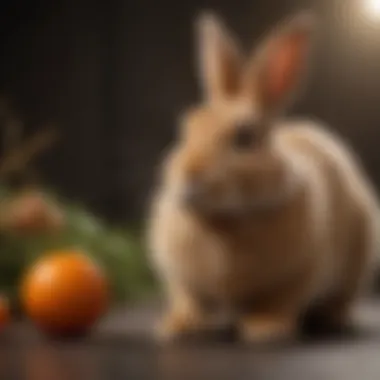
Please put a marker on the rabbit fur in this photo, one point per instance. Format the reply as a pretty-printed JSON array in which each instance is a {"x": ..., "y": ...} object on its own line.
[{"x": 259, "y": 215}]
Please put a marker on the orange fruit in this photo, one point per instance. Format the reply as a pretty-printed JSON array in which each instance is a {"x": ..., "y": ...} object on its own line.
[
  {"x": 64, "y": 292},
  {"x": 4, "y": 312}
]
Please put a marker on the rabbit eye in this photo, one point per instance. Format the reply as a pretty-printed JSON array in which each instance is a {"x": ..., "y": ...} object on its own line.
[{"x": 244, "y": 137}]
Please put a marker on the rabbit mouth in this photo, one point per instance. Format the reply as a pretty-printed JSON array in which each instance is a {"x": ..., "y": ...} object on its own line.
[
  {"x": 238, "y": 199},
  {"x": 240, "y": 207},
  {"x": 236, "y": 204}
]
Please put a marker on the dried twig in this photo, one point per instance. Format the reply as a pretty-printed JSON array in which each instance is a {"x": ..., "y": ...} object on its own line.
[
  {"x": 19, "y": 158},
  {"x": 17, "y": 153}
]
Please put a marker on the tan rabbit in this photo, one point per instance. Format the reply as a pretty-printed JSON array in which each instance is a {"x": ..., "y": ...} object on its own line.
[{"x": 261, "y": 217}]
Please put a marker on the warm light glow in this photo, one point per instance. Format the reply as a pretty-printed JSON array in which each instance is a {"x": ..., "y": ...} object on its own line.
[{"x": 373, "y": 8}]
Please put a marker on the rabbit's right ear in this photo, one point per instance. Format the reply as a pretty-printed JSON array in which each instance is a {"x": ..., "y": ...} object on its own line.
[
  {"x": 219, "y": 59},
  {"x": 277, "y": 68}
]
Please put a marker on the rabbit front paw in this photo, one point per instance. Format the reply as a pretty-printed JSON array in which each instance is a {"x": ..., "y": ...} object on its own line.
[
  {"x": 267, "y": 329},
  {"x": 178, "y": 325}
]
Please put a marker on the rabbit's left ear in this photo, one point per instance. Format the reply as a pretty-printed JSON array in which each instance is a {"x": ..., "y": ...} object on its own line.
[
  {"x": 276, "y": 69},
  {"x": 220, "y": 65}
]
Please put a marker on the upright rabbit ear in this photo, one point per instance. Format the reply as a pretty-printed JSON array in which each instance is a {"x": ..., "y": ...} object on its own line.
[
  {"x": 278, "y": 67},
  {"x": 219, "y": 58}
]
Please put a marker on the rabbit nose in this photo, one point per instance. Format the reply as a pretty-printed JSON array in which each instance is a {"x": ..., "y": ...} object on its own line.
[{"x": 192, "y": 191}]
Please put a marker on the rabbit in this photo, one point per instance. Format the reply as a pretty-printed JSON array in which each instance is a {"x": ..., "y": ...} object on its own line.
[{"x": 259, "y": 215}]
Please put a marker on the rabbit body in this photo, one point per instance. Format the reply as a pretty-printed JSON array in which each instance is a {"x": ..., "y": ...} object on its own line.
[
  {"x": 317, "y": 246},
  {"x": 304, "y": 237}
]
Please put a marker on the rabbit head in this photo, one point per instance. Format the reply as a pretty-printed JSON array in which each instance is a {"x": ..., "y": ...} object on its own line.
[{"x": 226, "y": 158}]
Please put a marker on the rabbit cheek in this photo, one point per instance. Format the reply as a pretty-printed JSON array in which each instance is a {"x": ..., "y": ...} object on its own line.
[
  {"x": 262, "y": 185},
  {"x": 224, "y": 197},
  {"x": 213, "y": 197}
]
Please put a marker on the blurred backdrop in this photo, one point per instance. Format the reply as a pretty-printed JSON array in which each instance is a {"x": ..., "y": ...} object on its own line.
[{"x": 113, "y": 76}]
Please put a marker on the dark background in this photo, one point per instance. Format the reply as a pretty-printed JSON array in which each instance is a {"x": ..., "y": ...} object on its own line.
[{"x": 113, "y": 75}]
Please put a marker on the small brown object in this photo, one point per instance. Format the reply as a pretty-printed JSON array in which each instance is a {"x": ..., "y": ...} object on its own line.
[{"x": 31, "y": 213}]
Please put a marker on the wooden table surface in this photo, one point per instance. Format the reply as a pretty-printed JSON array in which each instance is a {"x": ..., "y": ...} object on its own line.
[{"x": 121, "y": 348}]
